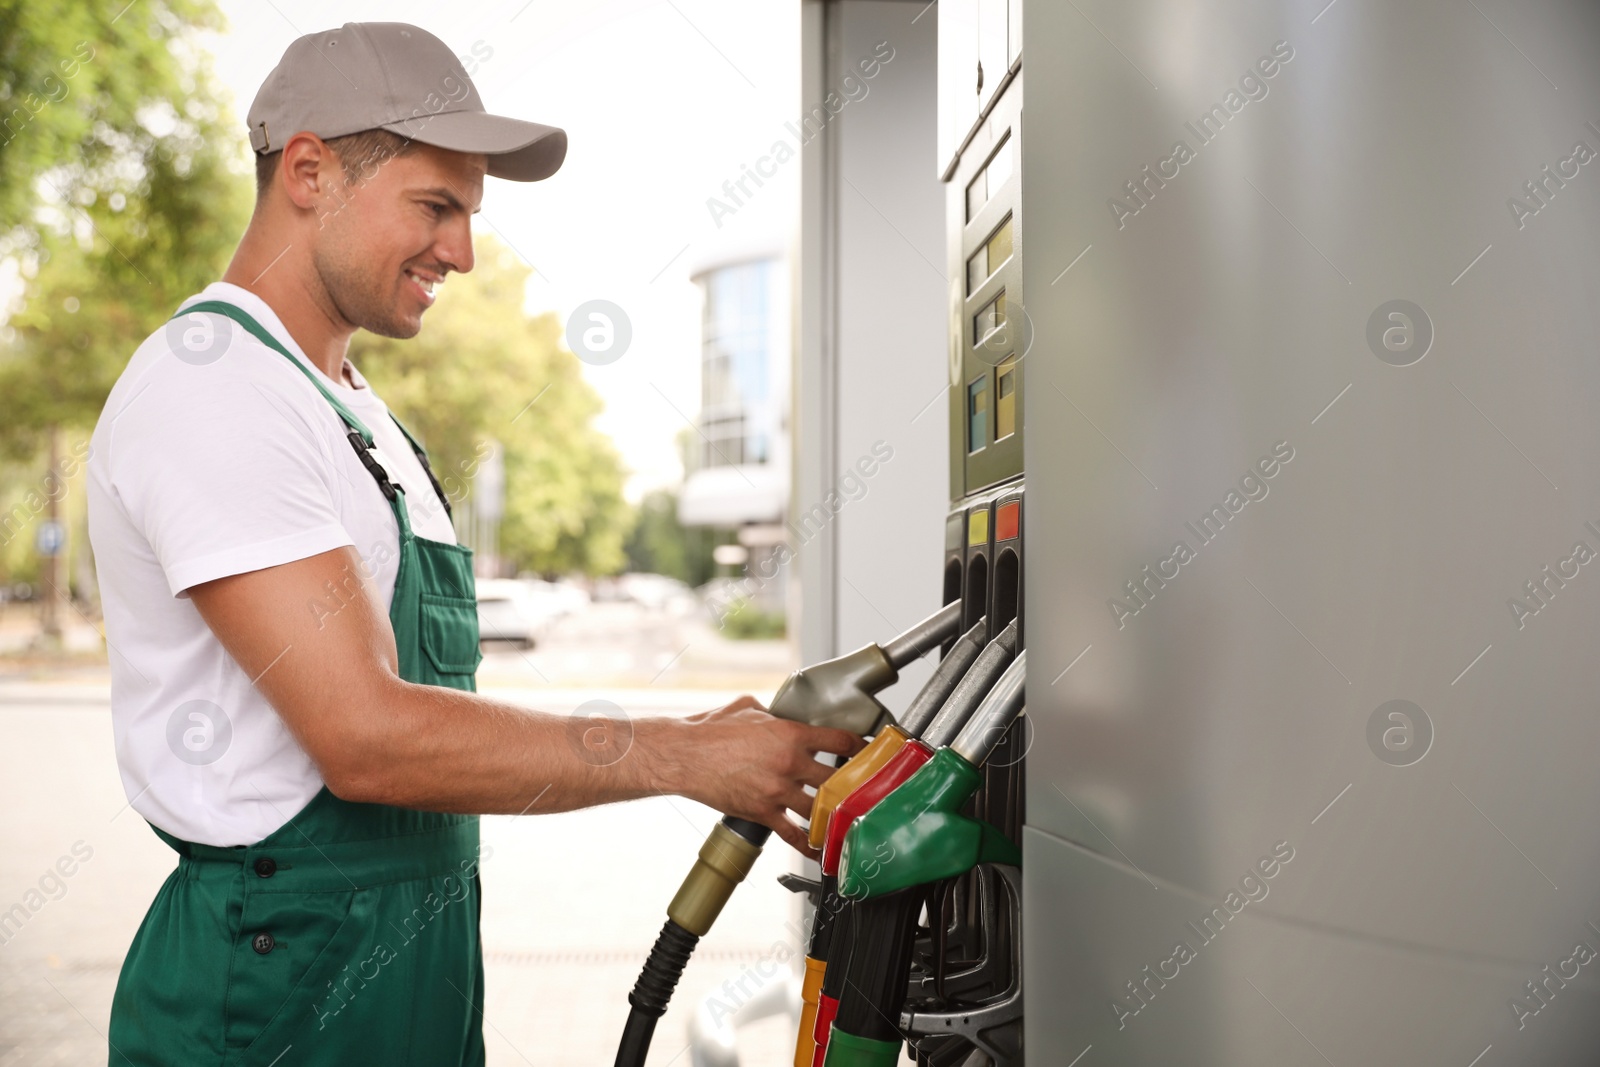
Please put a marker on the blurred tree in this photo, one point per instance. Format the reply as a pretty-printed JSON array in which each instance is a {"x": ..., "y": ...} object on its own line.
[
  {"x": 123, "y": 189},
  {"x": 482, "y": 370},
  {"x": 660, "y": 544}
]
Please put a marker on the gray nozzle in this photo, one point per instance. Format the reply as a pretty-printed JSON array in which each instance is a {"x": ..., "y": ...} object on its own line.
[
  {"x": 973, "y": 687},
  {"x": 994, "y": 716},
  {"x": 946, "y": 676},
  {"x": 837, "y": 692},
  {"x": 936, "y": 629}
]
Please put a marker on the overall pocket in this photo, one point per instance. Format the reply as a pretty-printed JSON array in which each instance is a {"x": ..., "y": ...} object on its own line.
[
  {"x": 292, "y": 950},
  {"x": 450, "y": 638}
]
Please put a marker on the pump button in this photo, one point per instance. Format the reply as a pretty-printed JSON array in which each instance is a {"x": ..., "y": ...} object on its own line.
[
  {"x": 1006, "y": 520},
  {"x": 978, "y": 528}
]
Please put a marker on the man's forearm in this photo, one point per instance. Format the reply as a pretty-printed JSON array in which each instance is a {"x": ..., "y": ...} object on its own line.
[{"x": 438, "y": 749}]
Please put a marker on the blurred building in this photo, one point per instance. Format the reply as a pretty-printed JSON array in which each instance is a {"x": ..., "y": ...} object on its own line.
[{"x": 738, "y": 476}]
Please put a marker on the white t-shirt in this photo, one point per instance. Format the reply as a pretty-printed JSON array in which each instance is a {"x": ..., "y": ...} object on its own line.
[{"x": 214, "y": 456}]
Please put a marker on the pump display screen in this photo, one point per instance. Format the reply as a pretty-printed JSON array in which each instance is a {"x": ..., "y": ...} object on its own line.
[
  {"x": 1005, "y": 402},
  {"x": 990, "y": 318},
  {"x": 994, "y": 174},
  {"x": 995, "y": 251},
  {"x": 978, "y": 414}
]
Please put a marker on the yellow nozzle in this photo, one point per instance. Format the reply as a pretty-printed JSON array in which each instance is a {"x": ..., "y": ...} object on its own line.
[
  {"x": 805, "y": 1045},
  {"x": 724, "y": 860},
  {"x": 844, "y": 781}
]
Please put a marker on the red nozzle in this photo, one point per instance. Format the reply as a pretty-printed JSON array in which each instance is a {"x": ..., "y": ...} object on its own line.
[{"x": 902, "y": 765}]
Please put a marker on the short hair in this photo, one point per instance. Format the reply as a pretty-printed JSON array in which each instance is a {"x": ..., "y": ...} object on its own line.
[{"x": 359, "y": 154}]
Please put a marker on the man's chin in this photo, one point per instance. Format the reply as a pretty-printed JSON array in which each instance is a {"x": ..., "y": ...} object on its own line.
[{"x": 397, "y": 327}]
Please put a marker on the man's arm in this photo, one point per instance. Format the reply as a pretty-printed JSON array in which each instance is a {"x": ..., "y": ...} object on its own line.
[{"x": 378, "y": 739}]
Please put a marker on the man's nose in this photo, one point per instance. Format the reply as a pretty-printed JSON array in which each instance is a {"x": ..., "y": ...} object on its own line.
[{"x": 454, "y": 247}]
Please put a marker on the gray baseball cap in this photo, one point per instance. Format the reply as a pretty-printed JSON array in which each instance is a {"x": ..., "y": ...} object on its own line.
[{"x": 400, "y": 78}]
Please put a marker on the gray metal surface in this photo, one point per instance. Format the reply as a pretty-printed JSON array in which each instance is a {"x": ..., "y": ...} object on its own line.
[
  {"x": 870, "y": 331},
  {"x": 1349, "y": 663}
]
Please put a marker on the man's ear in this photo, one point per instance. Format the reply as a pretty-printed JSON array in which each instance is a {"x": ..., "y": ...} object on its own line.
[{"x": 309, "y": 174}]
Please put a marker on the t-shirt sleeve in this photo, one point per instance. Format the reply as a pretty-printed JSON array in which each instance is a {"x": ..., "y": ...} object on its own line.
[{"x": 224, "y": 471}]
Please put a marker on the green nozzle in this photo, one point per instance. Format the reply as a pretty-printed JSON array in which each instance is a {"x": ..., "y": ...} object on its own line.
[
  {"x": 848, "y": 1050},
  {"x": 917, "y": 835}
]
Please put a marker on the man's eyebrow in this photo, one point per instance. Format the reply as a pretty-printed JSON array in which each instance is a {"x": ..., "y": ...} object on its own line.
[{"x": 448, "y": 194}]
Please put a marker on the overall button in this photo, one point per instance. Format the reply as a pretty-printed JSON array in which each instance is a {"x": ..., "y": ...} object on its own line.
[
  {"x": 266, "y": 867},
  {"x": 263, "y": 943}
]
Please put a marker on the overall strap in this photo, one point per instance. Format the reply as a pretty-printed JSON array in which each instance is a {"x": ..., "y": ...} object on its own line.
[{"x": 427, "y": 468}]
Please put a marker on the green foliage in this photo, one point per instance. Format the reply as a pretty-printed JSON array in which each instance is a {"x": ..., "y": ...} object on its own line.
[
  {"x": 659, "y": 544},
  {"x": 123, "y": 188},
  {"x": 482, "y": 370},
  {"x": 746, "y": 622}
]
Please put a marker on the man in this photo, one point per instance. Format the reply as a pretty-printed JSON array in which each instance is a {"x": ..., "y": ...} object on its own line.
[{"x": 292, "y": 623}]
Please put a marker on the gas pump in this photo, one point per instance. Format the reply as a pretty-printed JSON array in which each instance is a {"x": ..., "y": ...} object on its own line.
[
  {"x": 915, "y": 837},
  {"x": 840, "y": 693}
]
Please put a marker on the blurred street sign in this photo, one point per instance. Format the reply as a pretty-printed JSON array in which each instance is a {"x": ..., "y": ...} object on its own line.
[
  {"x": 50, "y": 538},
  {"x": 489, "y": 489}
]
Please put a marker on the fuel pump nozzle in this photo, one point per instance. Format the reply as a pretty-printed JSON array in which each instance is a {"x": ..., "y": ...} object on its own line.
[
  {"x": 842, "y": 692},
  {"x": 838, "y": 693}
]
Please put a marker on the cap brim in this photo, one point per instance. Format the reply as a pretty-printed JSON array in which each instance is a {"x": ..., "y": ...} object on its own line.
[{"x": 518, "y": 151}]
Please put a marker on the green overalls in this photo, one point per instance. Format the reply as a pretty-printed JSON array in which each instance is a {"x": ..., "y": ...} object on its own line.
[{"x": 350, "y": 934}]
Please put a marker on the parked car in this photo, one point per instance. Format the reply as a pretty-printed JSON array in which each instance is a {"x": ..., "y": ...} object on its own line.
[
  {"x": 657, "y": 592},
  {"x": 570, "y": 596},
  {"x": 509, "y": 611}
]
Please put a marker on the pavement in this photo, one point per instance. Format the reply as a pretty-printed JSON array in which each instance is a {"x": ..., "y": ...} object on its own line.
[{"x": 572, "y": 902}]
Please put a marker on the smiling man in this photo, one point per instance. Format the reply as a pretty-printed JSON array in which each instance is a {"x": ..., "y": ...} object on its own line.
[{"x": 319, "y": 770}]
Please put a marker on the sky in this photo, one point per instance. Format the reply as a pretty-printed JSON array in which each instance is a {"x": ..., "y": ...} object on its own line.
[{"x": 663, "y": 101}]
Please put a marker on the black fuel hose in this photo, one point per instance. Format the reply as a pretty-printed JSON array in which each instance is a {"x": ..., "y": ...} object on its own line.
[
  {"x": 873, "y": 993},
  {"x": 664, "y": 966}
]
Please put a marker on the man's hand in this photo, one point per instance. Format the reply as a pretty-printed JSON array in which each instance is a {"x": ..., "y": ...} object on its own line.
[{"x": 748, "y": 764}]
